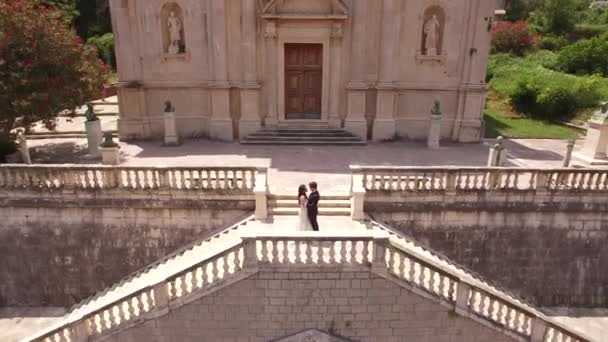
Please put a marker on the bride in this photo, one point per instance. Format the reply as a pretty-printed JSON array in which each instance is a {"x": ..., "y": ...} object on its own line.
[{"x": 303, "y": 221}]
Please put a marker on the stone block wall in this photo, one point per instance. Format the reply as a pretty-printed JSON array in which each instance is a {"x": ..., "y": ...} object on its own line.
[
  {"x": 59, "y": 247},
  {"x": 549, "y": 247},
  {"x": 356, "y": 305}
]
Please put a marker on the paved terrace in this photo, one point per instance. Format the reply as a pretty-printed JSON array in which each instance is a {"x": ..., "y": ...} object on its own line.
[{"x": 291, "y": 166}]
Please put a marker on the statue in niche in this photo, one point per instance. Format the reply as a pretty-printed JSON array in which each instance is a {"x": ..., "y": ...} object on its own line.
[
  {"x": 175, "y": 33},
  {"x": 431, "y": 31}
]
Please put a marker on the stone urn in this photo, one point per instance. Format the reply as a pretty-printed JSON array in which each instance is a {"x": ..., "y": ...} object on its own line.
[
  {"x": 93, "y": 129},
  {"x": 110, "y": 151}
]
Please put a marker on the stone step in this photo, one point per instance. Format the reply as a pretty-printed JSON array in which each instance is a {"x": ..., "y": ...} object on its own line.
[
  {"x": 302, "y": 134},
  {"x": 322, "y": 211},
  {"x": 324, "y": 203},
  {"x": 302, "y": 142},
  {"x": 323, "y": 197},
  {"x": 60, "y": 135},
  {"x": 299, "y": 138}
]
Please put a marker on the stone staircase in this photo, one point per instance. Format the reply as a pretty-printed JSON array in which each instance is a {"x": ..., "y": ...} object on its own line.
[
  {"x": 303, "y": 135},
  {"x": 241, "y": 250},
  {"x": 287, "y": 205}
]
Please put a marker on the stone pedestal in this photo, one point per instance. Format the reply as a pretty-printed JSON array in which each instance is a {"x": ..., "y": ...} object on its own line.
[
  {"x": 434, "y": 132},
  {"x": 355, "y": 121},
  {"x": 93, "y": 129},
  {"x": 171, "y": 136},
  {"x": 250, "y": 121},
  {"x": 568, "y": 156},
  {"x": 384, "y": 125},
  {"x": 24, "y": 149},
  {"x": 110, "y": 155},
  {"x": 595, "y": 146}
]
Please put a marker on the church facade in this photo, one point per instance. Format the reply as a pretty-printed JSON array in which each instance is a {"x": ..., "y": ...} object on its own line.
[{"x": 372, "y": 67}]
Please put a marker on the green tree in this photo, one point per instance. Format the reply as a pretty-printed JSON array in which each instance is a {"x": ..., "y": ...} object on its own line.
[
  {"x": 44, "y": 66},
  {"x": 558, "y": 17},
  {"x": 67, "y": 9}
]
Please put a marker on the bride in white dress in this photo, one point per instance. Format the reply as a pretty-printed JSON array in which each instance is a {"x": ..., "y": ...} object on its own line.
[{"x": 303, "y": 221}]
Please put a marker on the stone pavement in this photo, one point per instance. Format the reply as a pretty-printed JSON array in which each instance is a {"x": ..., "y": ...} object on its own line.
[
  {"x": 18, "y": 323},
  {"x": 291, "y": 166}
]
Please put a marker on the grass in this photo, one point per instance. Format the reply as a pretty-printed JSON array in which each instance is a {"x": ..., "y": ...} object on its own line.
[
  {"x": 502, "y": 121},
  {"x": 507, "y": 71}
]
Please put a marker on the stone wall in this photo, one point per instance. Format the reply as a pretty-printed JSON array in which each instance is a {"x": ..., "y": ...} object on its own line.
[
  {"x": 68, "y": 231},
  {"x": 59, "y": 249},
  {"x": 269, "y": 305},
  {"x": 548, "y": 246}
]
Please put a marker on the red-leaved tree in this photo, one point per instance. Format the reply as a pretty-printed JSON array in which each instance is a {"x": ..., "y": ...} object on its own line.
[
  {"x": 512, "y": 37},
  {"x": 44, "y": 66}
]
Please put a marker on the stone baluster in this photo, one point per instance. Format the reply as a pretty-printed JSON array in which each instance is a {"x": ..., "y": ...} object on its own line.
[
  {"x": 309, "y": 253},
  {"x": 319, "y": 253}
]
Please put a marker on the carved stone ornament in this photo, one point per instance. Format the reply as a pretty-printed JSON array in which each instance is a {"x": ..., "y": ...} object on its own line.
[
  {"x": 337, "y": 31},
  {"x": 270, "y": 30}
]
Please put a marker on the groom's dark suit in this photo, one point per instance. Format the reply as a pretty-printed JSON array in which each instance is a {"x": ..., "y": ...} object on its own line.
[{"x": 313, "y": 209}]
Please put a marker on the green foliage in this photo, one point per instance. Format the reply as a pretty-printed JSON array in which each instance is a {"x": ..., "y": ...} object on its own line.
[
  {"x": 585, "y": 57},
  {"x": 7, "y": 146},
  {"x": 44, "y": 67},
  {"x": 558, "y": 17},
  {"x": 67, "y": 8},
  {"x": 105, "y": 46},
  {"x": 553, "y": 43},
  {"x": 520, "y": 9},
  {"x": 537, "y": 91}
]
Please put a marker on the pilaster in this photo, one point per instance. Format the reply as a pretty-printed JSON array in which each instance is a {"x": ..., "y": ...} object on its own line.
[
  {"x": 250, "y": 121},
  {"x": 355, "y": 117},
  {"x": 221, "y": 120},
  {"x": 337, "y": 34},
  {"x": 270, "y": 35},
  {"x": 384, "y": 125}
]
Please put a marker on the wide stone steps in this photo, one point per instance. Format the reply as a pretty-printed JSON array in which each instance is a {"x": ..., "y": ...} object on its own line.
[
  {"x": 287, "y": 205},
  {"x": 302, "y": 136}
]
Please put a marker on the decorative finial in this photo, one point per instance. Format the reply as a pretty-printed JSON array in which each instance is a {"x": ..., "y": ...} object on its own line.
[{"x": 108, "y": 140}]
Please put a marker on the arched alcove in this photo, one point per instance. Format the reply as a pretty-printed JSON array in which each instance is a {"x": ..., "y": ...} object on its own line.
[
  {"x": 433, "y": 21},
  {"x": 172, "y": 28}
]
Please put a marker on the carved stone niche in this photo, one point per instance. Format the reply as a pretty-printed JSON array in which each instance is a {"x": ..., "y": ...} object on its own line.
[
  {"x": 312, "y": 335},
  {"x": 432, "y": 32},
  {"x": 173, "y": 32}
]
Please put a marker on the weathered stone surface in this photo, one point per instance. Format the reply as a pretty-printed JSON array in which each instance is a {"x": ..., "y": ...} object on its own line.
[
  {"x": 57, "y": 248},
  {"x": 272, "y": 305},
  {"x": 549, "y": 248}
]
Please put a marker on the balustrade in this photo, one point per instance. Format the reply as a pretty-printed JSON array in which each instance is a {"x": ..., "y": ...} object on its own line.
[
  {"x": 143, "y": 178},
  {"x": 475, "y": 178},
  {"x": 277, "y": 251}
]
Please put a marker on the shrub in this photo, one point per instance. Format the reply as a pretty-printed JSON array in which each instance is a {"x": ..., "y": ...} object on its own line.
[
  {"x": 585, "y": 57},
  {"x": 537, "y": 91},
  {"x": 558, "y": 16},
  {"x": 553, "y": 43},
  {"x": 44, "y": 67},
  {"x": 586, "y": 31},
  {"x": 512, "y": 37},
  {"x": 7, "y": 146},
  {"x": 105, "y": 46}
]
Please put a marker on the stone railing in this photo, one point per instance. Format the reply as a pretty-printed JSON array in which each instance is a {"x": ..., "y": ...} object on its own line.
[
  {"x": 474, "y": 178},
  {"x": 369, "y": 251},
  {"x": 94, "y": 177},
  {"x": 470, "y": 180}
]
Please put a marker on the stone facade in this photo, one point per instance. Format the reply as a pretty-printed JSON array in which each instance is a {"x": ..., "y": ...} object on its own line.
[
  {"x": 222, "y": 63},
  {"x": 267, "y": 306}
]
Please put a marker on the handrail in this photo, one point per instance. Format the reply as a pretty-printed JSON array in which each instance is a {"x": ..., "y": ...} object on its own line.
[
  {"x": 96, "y": 177},
  {"x": 453, "y": 178},
  {"x": 375, "y": 251}
]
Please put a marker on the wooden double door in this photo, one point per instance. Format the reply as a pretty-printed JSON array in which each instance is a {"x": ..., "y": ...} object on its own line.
[{"x": 303, "y": 81}]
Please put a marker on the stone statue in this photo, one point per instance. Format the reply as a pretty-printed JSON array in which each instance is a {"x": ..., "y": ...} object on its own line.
[
  {"x": 436, "y": 110},
  {"x": 90, "y": 113},
  {"x": 431, "y": 30},
  {"x": 169, "y": 107},
  {"x": 175, "y": 33}
]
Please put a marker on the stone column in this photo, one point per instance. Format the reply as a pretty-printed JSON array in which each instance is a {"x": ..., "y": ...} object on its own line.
[
  {"x": 270, "y": 34},
  {"x": 384, "y": 125},
  {"x": 356, "y": 88},
  {"x": 434, "y": 132},
  {"x": 250, "y": 90},
  {"x": 221, "y": 120}
]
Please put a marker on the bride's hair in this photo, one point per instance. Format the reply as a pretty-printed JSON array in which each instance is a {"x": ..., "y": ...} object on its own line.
[{"x": 302, "y": 191}]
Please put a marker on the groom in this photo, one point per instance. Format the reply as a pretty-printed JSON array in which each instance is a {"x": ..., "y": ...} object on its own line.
[{"x": 312, "y": 206}]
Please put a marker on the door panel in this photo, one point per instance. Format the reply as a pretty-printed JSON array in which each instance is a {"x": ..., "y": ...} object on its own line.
[{"x": 303, "y": 81}]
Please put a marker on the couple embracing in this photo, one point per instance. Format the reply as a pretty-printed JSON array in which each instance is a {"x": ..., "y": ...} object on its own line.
[{"x": 309, "y": 207}]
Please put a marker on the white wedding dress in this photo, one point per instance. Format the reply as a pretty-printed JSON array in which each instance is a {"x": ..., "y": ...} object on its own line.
[{"x": 303, "y": 221}]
